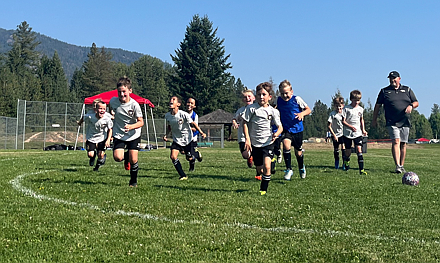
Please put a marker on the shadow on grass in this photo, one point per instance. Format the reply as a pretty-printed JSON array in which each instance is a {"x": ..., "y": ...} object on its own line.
[{"x": 190, "y": 188}]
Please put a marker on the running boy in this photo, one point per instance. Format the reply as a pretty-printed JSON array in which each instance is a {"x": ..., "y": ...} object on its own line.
[
  {"x": 98, "y": 133},
  {"x": 335, "y": 128},
  {"x": 128, "y": 121},
  {"x": 354, "y": 129},
  {"x": 257, "y": 127},
  {"x": 179, "y": 123},
  {"x": 237, "y": 123},
  {"x": 292, "y": 111},
  {"x": 190, "y": 106}
]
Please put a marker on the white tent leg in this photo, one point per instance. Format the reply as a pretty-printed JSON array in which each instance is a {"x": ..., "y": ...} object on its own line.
[
  {"x": 79, "y": 127},
  {"x": 154, "y": 128},
  {"x": 146, "y": 125}
]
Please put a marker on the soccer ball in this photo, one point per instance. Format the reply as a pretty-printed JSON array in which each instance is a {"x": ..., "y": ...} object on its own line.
[{"x": 410, "y": 178}]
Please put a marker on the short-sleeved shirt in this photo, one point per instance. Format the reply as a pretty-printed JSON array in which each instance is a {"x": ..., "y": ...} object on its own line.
[
  {"x": 260, "y": 120},
  {"x": 287, "y": 113},
  {"x": 335, "y": 118},
  {"x": 180, "y": 127},
  {"x": 125, "y": 113},
  {"x": 97, "y": 129},
  {"x": 353, "y": 117},
  {"x": 395, "y": 102},
  {"x": 195, "y": 118},
  {"x": 239, "y": 120}
]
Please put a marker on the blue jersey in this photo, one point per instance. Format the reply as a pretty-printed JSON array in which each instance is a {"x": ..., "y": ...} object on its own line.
[{"x": 287, "y": 113}]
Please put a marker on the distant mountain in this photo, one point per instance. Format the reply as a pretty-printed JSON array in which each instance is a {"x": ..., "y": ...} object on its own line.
[{"x": 71, "y": 56}]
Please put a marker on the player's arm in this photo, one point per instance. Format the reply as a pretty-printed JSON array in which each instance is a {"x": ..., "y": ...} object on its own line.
[
  {"x": 167, "y": 132},
  {"x": 197, "y": 127},
  {"x": 332, "y": 131},
  {"x": 139, "y": 123},
  {"x": 348, "y": 125},
  {"x": 247, "y": 144},
  {"x": 278, "y": 132},
  {"x": 375, "y": 113},
  {"x": 364, "y": 132},
  {"x": 80, "y": 121},
  {"x": 109, "y": 137},
  {"x": 305, "y": 112}
]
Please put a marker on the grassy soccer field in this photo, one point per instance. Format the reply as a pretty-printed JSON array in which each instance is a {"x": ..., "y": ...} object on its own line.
[{"x": 56, "y": 209}]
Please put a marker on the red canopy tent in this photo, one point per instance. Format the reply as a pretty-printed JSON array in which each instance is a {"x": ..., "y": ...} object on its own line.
[{"x": 107, "y": 96}]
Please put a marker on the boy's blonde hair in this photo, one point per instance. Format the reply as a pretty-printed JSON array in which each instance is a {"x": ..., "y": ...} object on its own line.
[
  {"x": 355, "y": 95},
  {"x": 124, "y": 81},
  {"x": 284, "y": 83},
  {"x": 243, "y": 94},
  {"x": 98, "y": 102},
  {"x": 338, "y": 101}
]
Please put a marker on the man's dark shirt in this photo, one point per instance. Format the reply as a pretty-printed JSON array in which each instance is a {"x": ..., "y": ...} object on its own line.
[{"x": 395, "y": 102}]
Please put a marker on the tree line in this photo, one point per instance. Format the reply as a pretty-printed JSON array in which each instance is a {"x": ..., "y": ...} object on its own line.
[{"x": 200, "y": 71}]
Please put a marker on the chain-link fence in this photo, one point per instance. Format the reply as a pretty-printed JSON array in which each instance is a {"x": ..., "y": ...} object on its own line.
[{"x": 8, "y": 129}]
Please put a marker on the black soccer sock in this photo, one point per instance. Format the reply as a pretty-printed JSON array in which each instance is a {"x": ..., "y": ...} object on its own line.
[
  {"x": 287, "y": 159},
  {"x": 360, "y": 161},
  {"x": 300, "y": 160},
  {"x": 265, "y": 179},
  {"x": 336, "y": 154},
  {"x": 126, "y": 156},
  {"x": 179, "y": 169},
  {"x": 272, "y": 166},
  {"x": 343, "y": 154},
  {"x": 134, "y": 172},
  {"x": 99, "y": 163}
]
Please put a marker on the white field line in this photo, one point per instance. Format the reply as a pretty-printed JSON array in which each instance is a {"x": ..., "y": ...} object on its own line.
[{"x": 16, "y": 183}]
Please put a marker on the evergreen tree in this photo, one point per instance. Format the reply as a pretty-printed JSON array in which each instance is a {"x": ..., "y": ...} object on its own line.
[
  {"x": 98, "y": 72},
  {"x": 434, "y": 120},
  {"x": 201, "y": 66},
  {"x": 76, "y": 85},
  {"x": 420, "y": 126},
  {"x": 316, "y": 125}
]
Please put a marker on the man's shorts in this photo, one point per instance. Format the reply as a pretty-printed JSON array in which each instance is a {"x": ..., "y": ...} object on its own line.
[
  {"x": 91, "y": 146},
  {"x": 259, "y": 153},
  {"x": 130, "y": 145},
  {"x": 398, "y": 133},
  {"x": 295, "y": 138}
]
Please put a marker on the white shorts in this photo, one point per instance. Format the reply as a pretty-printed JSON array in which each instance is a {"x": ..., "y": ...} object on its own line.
[{"x": 398, "y": 133}]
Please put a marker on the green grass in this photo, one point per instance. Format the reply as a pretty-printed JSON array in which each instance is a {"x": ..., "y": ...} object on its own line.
[{"x": 56, "y": 209}]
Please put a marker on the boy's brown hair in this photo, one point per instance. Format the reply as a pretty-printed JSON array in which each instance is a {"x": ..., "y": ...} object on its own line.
[
  {"x": 284, "y": 83},
  {"x": 338, "y": 101},
  {"x": 124, "y": 81},
  {"x": 355, "y": 95},
  {"x": 266, "y": 86}
]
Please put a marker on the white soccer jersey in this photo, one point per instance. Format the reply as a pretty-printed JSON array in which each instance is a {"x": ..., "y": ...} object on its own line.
[
  {"x": 180, "y": 127},
  {"x": 335, "y": 119},
  {"x": 260, "y": 121},
  {"x": 353, "y": 117},
  {"x": 125, "y": 113},
  {"x": 239, "y": 120},
  {"x": 97, "y": 129}
]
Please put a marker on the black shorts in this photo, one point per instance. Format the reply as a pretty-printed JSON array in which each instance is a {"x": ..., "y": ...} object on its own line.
[
  {"x": 337, "y": 142},
  {"x": 91, "y": 146},
  {"x": 259, "y": 153},
  {"x": 129, "y": 145},
  {"x": 295, "y": 138},
  {"x": 187, "y": 149},
  {"x": 348, "y": 142},
  {"x": 241, "y": 145}
]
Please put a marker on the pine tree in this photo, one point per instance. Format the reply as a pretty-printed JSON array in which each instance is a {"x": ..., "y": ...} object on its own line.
[
  {"x": 201, "y": 66},
  {"x": 434, "y": 120}
]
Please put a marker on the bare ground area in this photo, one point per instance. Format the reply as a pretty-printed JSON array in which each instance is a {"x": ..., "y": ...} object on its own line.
[
  {"x": 371, "y": 145},
  {"x": 54, "y": 137}
]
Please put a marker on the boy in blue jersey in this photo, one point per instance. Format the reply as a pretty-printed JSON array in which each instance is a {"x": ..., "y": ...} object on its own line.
[
  {"x": 190, "y": 106},
  {"x": 292, "y": 111}
]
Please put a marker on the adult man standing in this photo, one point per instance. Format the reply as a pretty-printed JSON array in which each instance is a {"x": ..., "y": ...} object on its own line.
[{"x": 398, "y": 101}]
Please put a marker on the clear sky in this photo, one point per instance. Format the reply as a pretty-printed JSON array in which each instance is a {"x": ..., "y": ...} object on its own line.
[{"x": 320, "y": 46}]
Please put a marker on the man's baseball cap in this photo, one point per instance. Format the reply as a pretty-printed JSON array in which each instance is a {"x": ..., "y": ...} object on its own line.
[{"x": 394, "y": 74}]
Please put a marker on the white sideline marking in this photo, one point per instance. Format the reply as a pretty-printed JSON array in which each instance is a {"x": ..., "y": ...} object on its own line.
[{"x": 16, "y": 183}]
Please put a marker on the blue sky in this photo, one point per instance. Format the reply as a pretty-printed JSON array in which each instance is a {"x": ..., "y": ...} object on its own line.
[{"x": 320, "y": 46}]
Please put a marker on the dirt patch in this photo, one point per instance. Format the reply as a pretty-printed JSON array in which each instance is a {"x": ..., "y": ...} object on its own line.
[
  {"x": 54, "y": 137},
  {"x": 371, "y": 145}
]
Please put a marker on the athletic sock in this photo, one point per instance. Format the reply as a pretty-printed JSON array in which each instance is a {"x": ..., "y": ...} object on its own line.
[
  {"x": 287, "y": 159},
  {"x": 126, "y": 156},
  {"x": 300, "y": 160},
  {"x": 134, "y": 172},
  {"x": 360, "y": 161},
  {"x": 336, "y": 154},
  {"x": 265, "y": 179},
  {"x": 179, "y": 169}
]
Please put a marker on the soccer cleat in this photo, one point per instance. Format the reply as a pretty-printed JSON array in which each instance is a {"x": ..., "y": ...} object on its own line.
[
  {"x": 92, "y": 160},
  {"x": 183, "y": 178},
  {"x": 302, "y": 172},
  {"x": 288, "y": 174},
  {"x": 363, "y": 172},
  {"x": 346, "y": 166},
  {"x": 191, "y": 166},
  {"x": 250, "y": 162},
  {"x": 400, "y": 169},
  {"x": 200, "y": 158},
  {"x": 127, "y": 165},
  {"x": 105, "y": 158},
  {"x": 96, "y": 168},
  {"x": 263, "y": 192},
  {"x": 258, "y": 177},
  {"x": 280, "y": 158},
  {"x": 336, "y": 164},
  {"x": 132, "y": 183}
]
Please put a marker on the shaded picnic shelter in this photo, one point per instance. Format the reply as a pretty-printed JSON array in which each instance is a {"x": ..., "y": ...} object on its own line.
[{"x": 218, "y": 119}]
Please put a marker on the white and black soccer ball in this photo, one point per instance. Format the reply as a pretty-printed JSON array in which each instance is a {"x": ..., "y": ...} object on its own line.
[{"x": 410, "y": 178}]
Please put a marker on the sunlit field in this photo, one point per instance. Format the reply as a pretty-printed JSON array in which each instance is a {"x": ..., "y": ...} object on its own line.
[{"x": 56, "y": 209}]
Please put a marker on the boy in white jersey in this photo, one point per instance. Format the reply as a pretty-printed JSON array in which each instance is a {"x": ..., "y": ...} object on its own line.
[
  {"x": 98, "y": 133},
  {"x": 128, "y": 121},
  {"x": 237, "y": 123},
  {"x": 258, "y": 119},
  {"x": 190, "y": 106},
  {"x": 354, "y": 129},
  {"x": 179, "y": 123},
  {"x": 335, "y": 128}
]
